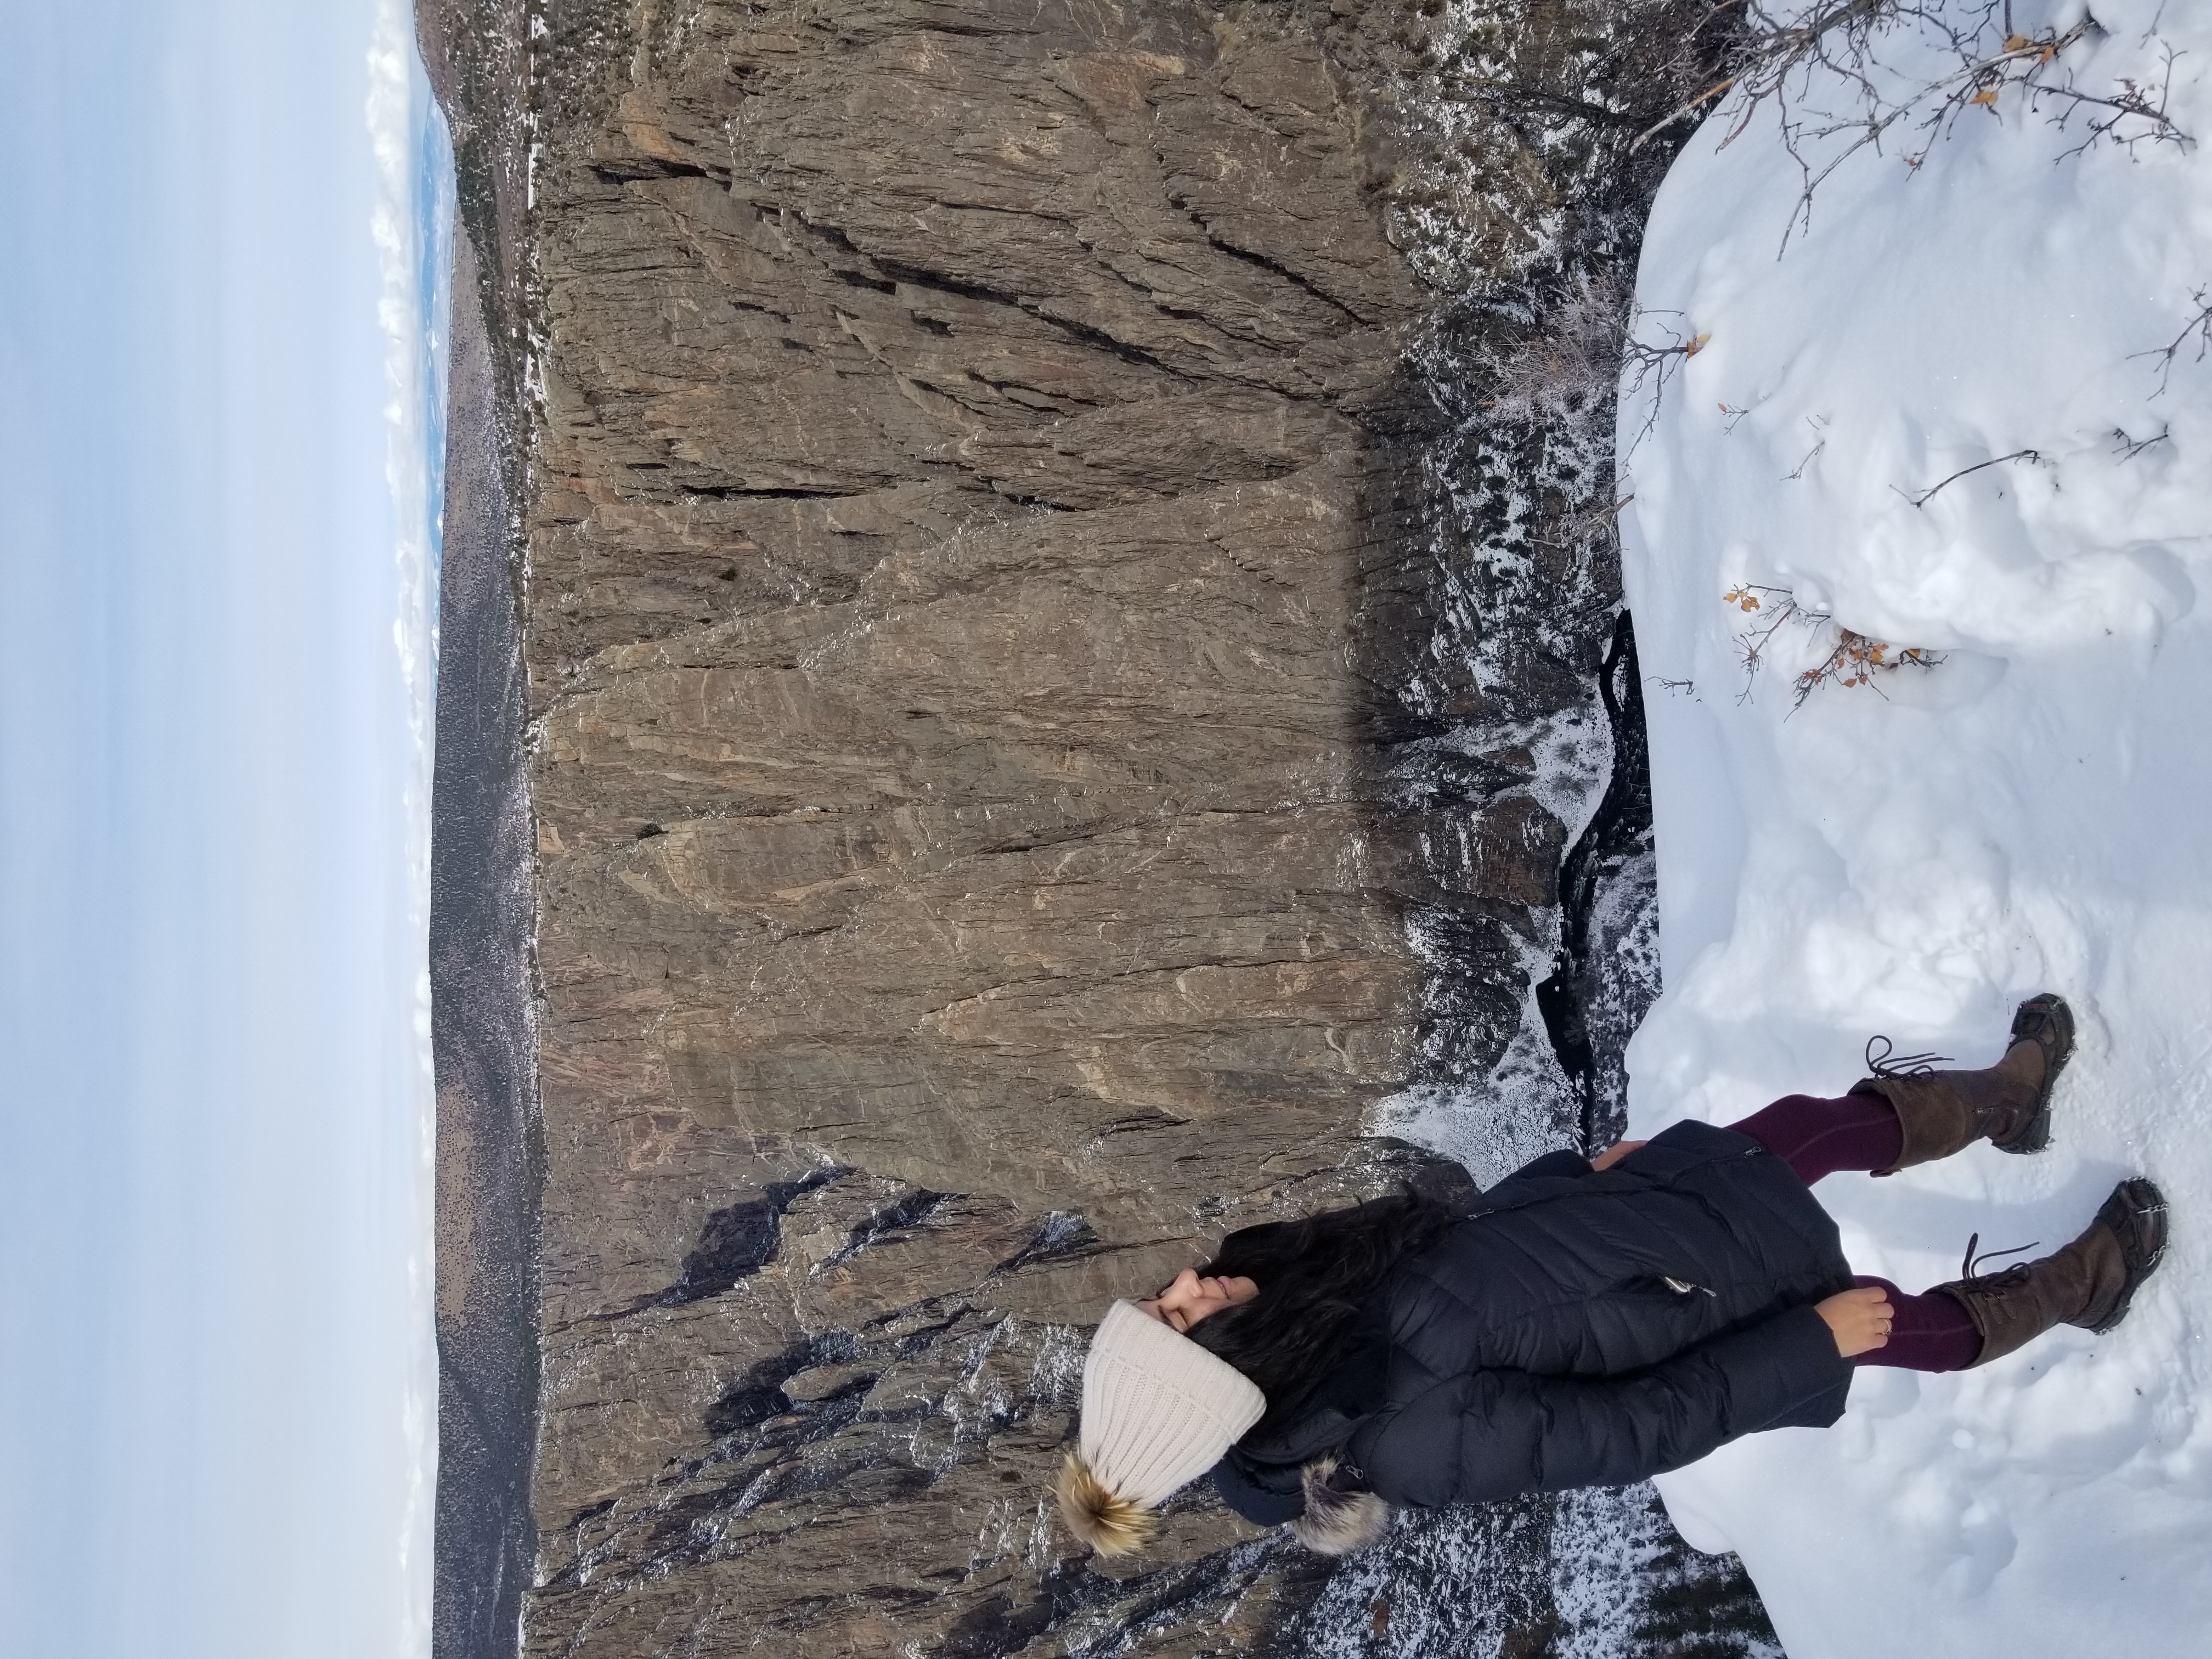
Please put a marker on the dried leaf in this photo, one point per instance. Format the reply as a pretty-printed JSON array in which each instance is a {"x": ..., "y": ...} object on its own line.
[
  {"x": 2016, "y": 43},
  {"x": 1986, "y": 95},
  {"x": 1696, "y": 345}
]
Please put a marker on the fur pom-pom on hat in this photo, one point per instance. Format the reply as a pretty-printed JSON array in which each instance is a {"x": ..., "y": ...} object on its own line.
[
  {"x": 1159, "y": 1411},
  {"x": 1098, "y": 1517}
]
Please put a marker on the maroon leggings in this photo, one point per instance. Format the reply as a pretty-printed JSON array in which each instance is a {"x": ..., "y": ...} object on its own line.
[{"x": 1817, "y": 1137}]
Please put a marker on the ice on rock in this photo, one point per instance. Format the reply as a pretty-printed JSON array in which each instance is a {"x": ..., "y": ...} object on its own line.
[{"x": 1915, "y": 855}]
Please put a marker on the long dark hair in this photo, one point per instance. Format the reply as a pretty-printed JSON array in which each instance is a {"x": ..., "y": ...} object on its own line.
[{"x": 1319, "y": 1280}]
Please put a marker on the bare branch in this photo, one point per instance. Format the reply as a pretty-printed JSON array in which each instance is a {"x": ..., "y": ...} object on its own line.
[
  {"x": 2200, "y": 325},
  {"x": 1923, "y": 498},
  {"x": 1820, "y": 442},
  {"x": 1647, "y": 364},
  {"x": 1853, "y": 660},
  {"x": 2131, "y": 448},
  {"x": 1833, "y": 95},
  {"x": 1688, "y": 109},
  {"x": 1776, "y": 607}
]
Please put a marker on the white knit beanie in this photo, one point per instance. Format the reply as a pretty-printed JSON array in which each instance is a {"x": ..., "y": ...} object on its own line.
[{"x": 1159, "y": 1411}]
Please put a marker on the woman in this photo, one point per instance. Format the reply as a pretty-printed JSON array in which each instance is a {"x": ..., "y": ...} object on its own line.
[{"x": 1585, "y": 1323}]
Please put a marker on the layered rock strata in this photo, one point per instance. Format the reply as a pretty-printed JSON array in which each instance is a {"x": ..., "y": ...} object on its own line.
[{"x": 1046, "y": 715}]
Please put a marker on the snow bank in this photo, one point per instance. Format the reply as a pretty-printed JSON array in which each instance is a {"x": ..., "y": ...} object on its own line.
[{"x": 1914, "y": 855}]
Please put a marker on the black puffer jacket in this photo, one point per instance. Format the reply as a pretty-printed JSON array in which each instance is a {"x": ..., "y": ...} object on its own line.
[{"x": 1582, "y": 1327}]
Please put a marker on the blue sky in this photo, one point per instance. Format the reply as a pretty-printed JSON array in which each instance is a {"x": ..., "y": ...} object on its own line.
[{"x": 216, "y": 431}]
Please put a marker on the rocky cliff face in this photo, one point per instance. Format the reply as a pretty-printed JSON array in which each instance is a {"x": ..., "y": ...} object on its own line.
[{"x": 1055, "y": 713}]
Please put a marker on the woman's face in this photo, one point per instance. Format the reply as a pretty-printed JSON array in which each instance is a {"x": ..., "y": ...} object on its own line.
[{"x": 1190, "y": 1298}]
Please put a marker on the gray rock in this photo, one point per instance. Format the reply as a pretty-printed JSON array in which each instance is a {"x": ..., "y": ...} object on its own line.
[{"x": 1048, "y": 710}]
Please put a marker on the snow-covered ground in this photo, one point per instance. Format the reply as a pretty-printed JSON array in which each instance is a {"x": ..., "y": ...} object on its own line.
[{"x": 1915, "y": 855}]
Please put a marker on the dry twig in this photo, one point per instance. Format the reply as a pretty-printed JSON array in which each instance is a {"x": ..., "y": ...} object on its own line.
[
  {"x": 1820, "y": 442},
  {"x": 1822, "y": 75},
  {"x": 1925, "y": 495},
  {"x": 2130, "y": 447},
  {"x": 1853, "y": 660},
  {"x": 2200, "y": 325}
]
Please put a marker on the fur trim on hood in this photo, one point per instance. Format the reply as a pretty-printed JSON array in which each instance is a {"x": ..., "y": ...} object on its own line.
[{"x": 1337, "y": 1522}]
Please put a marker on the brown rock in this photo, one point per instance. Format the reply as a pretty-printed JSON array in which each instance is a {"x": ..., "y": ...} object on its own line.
[{"x": 989, "y": 633}]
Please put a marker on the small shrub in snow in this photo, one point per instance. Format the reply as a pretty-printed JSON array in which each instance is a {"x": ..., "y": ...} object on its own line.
[
  {"x": 1852, "y": 659},
  {"x": 1845, "y": 75},
  {"x": 1571, "y": 367},
  {"x": 1593, "y": 347}
]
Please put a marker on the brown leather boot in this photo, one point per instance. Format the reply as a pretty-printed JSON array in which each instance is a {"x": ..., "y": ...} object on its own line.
[
  {"x": 2088, "y": 1284},
  {"x": 2008, "y": 1103}
]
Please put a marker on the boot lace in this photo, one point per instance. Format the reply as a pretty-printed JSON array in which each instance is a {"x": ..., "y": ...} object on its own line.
[
  {"x": 1890, "y": 1063},
  {"x": 1971, "y": 1268}
]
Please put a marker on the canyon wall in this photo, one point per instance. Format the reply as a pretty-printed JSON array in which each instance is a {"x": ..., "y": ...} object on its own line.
[{"x": 1054, "y": 722}]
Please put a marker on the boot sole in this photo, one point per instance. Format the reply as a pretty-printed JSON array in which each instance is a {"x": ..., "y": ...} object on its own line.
[
  {"x": 2142, "y": 1202},
  {"x": 2035, "y": 1135}
]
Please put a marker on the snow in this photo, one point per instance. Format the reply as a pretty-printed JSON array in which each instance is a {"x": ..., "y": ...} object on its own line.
[{"x": 1914, "y": 855}]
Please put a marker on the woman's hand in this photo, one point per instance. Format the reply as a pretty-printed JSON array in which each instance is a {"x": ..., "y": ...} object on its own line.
[
  {"x": 1612, "y": 1154},
  {"x": 1860, "y": 1319}
]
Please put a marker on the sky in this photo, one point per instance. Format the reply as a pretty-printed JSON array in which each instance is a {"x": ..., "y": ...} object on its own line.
[{"x": 223, "y": 242}]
